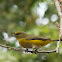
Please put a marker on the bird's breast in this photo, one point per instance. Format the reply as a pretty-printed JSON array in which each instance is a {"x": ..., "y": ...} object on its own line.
[{"x": 33, "y": 43}]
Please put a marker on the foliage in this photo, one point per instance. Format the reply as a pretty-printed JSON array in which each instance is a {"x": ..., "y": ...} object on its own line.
[{"x": 21, "y": 15}]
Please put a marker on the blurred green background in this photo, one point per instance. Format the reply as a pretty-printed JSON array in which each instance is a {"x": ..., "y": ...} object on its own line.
[{"x": 33, "y": 17}]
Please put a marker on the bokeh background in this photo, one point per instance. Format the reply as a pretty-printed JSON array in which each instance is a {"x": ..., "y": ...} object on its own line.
[{"x": 33, "y": 17}]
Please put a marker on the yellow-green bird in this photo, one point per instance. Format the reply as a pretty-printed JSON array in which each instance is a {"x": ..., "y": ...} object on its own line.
[{"x": 31, "y": 41}]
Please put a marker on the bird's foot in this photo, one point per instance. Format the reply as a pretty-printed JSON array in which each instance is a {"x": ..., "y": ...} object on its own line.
[
  {"x": 36, "y": 51},
  {"x": 26, "y": 50}
]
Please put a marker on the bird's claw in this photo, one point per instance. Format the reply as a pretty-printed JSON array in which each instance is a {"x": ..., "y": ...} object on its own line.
[
  {"x": 36, "y": 51},
  {"x": 26, "y": 50}
]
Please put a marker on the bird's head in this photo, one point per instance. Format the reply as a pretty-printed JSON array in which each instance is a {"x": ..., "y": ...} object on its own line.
[{"x": 19, "y": 34}]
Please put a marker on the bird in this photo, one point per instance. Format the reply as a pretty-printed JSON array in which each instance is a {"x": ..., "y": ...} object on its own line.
[{"x": 31, "y": 41}]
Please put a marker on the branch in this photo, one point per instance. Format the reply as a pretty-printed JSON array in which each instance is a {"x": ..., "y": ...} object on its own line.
[
  {"x": 43, "y": 51},
  {"x": 57, "y": 26},
  {"x": 21, "y": 50},
  {"x": 13, "y": 48},
  {"x": 59, "y": 9},
  {"x": 57, "y": 48}
]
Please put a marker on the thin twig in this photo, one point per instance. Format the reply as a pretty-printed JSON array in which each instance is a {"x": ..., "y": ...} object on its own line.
[
  {"x": 43, "y": 51},
  {"x": 57, "y": 26},
  {"x": 57, "y": 4},
  {"x": 58, "y": 7},
  {"x": 13, "y": 48},
  {"x": 57, "y": 48},
  {"x": 21, "y": 50}
]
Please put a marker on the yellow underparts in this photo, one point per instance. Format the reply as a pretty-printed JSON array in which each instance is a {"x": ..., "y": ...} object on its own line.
[{"x": 33, "y": 43}]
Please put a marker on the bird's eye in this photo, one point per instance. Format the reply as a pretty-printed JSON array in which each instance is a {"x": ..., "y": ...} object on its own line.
[{"x": 17, "y": 33}]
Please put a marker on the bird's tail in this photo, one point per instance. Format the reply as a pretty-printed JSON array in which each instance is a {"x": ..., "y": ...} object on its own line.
[{"x": 57, "y": 40}]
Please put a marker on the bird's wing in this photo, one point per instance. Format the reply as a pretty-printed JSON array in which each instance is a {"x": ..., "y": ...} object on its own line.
[{"x": 36, "y": 38}]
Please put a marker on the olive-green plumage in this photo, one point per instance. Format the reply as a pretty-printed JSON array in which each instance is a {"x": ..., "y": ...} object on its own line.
[{"x": 31, "y": 41}]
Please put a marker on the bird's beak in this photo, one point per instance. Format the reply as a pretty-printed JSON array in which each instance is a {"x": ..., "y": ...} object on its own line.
[{"x": 13, "y": 35}]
